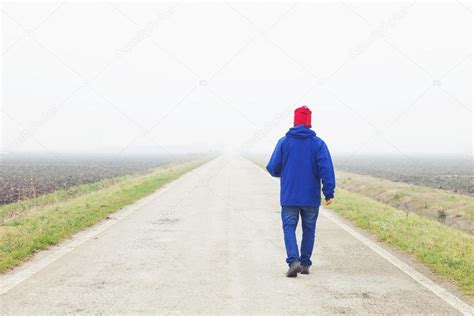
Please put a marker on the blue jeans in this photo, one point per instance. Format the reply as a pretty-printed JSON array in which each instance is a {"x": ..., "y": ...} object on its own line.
[{"x": 289, "y": 217}]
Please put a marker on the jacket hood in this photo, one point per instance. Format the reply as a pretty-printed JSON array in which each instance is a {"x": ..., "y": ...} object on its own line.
[{"x": 300, "y": 131}]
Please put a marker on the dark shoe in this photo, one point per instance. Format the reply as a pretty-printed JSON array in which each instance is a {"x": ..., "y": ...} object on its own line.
[
  {"x": 294, "y": 269},
  {"x": 304, "y": 270}
]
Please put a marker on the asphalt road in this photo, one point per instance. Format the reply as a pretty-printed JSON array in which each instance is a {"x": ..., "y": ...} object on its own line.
[{"x": 212, "y": 243}]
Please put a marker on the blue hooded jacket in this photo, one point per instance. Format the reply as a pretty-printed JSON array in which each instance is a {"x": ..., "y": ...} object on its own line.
[{"x": 302, "y": 161}]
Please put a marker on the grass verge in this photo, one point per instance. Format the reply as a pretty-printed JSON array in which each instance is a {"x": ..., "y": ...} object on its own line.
[
  {"x": 447, "y": 251},
  {"x": 33, "y": 225},
  {"x": 449, "y": 208}
]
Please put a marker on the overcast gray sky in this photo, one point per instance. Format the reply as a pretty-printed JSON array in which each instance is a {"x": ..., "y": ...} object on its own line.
[{"x": 127, "y": 76}]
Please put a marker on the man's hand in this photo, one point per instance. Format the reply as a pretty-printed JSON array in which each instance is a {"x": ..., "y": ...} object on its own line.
[{"x": 328, "y": 202}]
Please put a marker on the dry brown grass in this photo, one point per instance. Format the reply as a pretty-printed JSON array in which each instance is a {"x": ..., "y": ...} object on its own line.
[{"x": 451, "y": 209}]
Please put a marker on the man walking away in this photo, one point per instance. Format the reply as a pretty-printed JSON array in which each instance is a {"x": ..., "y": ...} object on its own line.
[{"x": 302, "y": 161}]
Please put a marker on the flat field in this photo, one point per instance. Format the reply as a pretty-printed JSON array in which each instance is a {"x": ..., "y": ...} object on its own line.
[
  {"x": 454, "y": 173},
  {"x": 29, "y": 176}
]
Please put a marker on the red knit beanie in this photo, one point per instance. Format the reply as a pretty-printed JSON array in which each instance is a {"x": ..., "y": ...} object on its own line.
[{"x": 303, "y": 116}]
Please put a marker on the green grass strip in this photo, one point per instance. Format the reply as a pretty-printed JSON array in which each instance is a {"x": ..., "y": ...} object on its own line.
[
  {"x": 33, "y": 225},
  {"x": 426, "y": 201},
  {"x": 447, "y": 251}
]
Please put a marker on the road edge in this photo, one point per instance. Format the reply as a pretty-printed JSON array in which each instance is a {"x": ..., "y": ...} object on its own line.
[
  {"x": 42, "y": 259},
  {"x": 437, "y": 289}
]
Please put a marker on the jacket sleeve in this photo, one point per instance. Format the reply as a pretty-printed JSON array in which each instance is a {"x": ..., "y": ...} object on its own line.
[
  {"x": 326, "y": 171},
  {"x": 275, "y": 163}
]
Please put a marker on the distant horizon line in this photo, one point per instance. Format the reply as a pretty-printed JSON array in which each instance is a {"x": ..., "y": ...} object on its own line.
[{"x": 184, "y": 151}]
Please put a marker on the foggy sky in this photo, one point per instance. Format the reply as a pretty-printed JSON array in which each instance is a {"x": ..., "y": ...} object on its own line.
[{"x": 127, "y": 77}]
